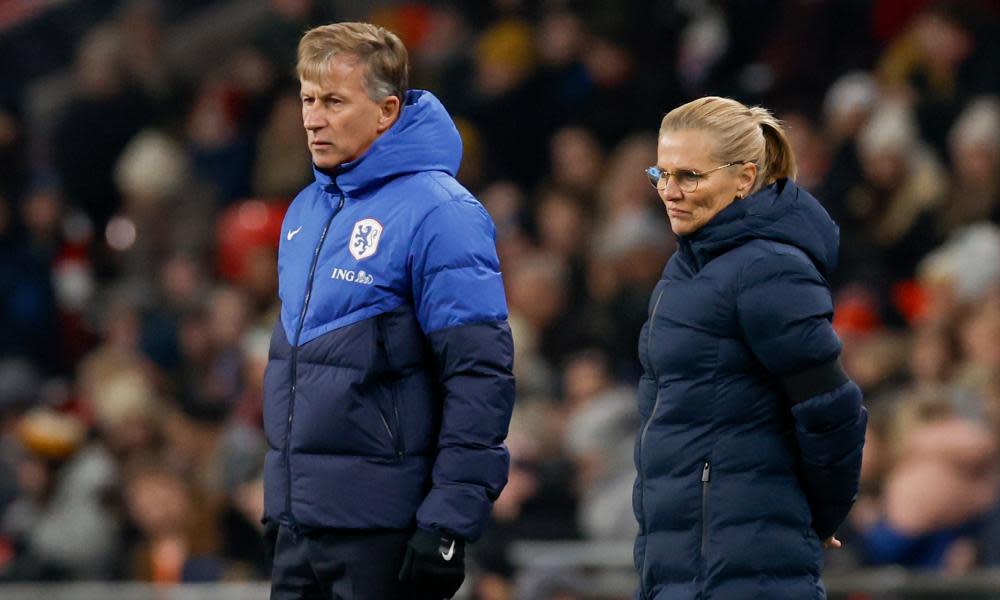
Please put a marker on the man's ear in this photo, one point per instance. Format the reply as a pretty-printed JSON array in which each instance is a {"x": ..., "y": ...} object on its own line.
[{"x": 388, "y": 112}]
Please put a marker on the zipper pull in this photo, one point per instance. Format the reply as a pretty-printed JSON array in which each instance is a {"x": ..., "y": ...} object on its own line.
[{"x": 705, "y": 473}]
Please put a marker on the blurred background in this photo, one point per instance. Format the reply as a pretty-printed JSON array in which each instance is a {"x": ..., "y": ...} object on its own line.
[{"x": 149, "y": 149}]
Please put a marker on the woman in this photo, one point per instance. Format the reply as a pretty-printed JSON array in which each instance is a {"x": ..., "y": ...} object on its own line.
[{"x": 750, "y": 445}]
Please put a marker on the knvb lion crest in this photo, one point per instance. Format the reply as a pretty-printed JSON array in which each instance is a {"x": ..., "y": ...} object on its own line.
[{"x": 365, "y": 238}]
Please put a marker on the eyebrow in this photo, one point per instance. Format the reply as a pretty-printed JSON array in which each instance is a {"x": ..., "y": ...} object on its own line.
[
  {"x": 680, "y": 169},
  {"x": 321, "y": 96}
]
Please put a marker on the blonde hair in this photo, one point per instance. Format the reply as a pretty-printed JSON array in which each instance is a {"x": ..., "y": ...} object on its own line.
[
  {"x": 381, "y": 51},
  {"x": 742, "y": 134}
]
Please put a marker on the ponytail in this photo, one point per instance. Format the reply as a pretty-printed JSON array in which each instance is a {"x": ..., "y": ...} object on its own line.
[{"x": 779, "y": 159}]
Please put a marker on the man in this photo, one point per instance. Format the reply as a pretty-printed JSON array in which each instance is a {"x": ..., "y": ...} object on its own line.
[{"x": 389, "y": 391}]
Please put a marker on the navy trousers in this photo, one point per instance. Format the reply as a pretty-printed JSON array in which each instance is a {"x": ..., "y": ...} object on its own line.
[{"x": 338, "y": 565}]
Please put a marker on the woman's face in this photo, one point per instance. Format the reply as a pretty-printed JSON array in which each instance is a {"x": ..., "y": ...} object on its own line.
[{"x": 691, "y": 150}]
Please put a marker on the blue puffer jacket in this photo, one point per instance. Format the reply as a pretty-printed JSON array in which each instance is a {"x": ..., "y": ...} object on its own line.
[
  {"x": 750, "y": 447},
  {"x": 389, "y": 391}
]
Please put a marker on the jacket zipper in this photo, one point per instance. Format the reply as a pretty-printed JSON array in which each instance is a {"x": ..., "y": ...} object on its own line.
[
  {"x": 642, "y": 439},
  {"x": 397, "y": 437},
  {"x": 706, "y": 477},
  {"x": 294, "y": 366}
]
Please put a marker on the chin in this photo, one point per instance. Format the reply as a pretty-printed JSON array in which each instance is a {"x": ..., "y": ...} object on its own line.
[
  {"x": 325, "y": 162},
  {"x": 679, "y": 229}
]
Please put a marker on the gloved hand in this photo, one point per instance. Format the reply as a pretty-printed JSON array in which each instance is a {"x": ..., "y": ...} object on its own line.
[{"x": 434, "y": 565}]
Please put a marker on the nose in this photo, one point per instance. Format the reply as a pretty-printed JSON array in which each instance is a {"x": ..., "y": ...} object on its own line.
[
  {"x": 311, "y": 118},
  {"x": 671, "y": 191}
]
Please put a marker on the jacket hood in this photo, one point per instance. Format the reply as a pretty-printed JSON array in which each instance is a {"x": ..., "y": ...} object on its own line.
[
  {"x": 781, "y": 212},
  {"x": 424, "y": 138}
]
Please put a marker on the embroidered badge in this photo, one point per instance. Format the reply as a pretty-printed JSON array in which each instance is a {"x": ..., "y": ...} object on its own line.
[{"x": 365, "y": 238}]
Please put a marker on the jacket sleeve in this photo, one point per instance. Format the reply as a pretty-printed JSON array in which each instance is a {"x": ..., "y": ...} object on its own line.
[
  {"x": 460, "y": 304},
  {"x": 785, "y": 312}
]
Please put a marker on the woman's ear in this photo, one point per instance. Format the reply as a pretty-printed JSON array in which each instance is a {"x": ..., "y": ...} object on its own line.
[{"x": 746, "y": 179}]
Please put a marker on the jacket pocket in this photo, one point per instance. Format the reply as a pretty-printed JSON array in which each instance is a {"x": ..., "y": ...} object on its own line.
[
  {"x": 390, "y": 414},
  {"x": 398, "y": 444},
  {"x": 389, "y": 431},
  {"x": 706, "y": 480}
]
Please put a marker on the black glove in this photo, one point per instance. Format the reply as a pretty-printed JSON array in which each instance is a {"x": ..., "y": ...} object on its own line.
[{"x": 434, "y": 565}]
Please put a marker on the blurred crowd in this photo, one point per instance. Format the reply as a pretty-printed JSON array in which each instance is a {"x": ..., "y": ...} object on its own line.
[{"x": 140, "y": 210}]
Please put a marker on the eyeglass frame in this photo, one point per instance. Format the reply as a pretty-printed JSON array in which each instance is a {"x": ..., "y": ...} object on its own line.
[{"x": 699, "y": 175}]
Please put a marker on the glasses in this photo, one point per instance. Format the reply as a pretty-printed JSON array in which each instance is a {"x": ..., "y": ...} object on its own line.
[{"x": 687, "y": 180}]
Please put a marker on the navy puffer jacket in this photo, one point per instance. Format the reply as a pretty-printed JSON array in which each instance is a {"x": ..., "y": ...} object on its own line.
[
  {"x": 389, "y": 386},
  {"x": 750, "y": 445}
]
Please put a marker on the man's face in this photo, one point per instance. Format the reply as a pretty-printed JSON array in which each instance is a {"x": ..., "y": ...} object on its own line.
[{"x": 340, "y": 120}]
